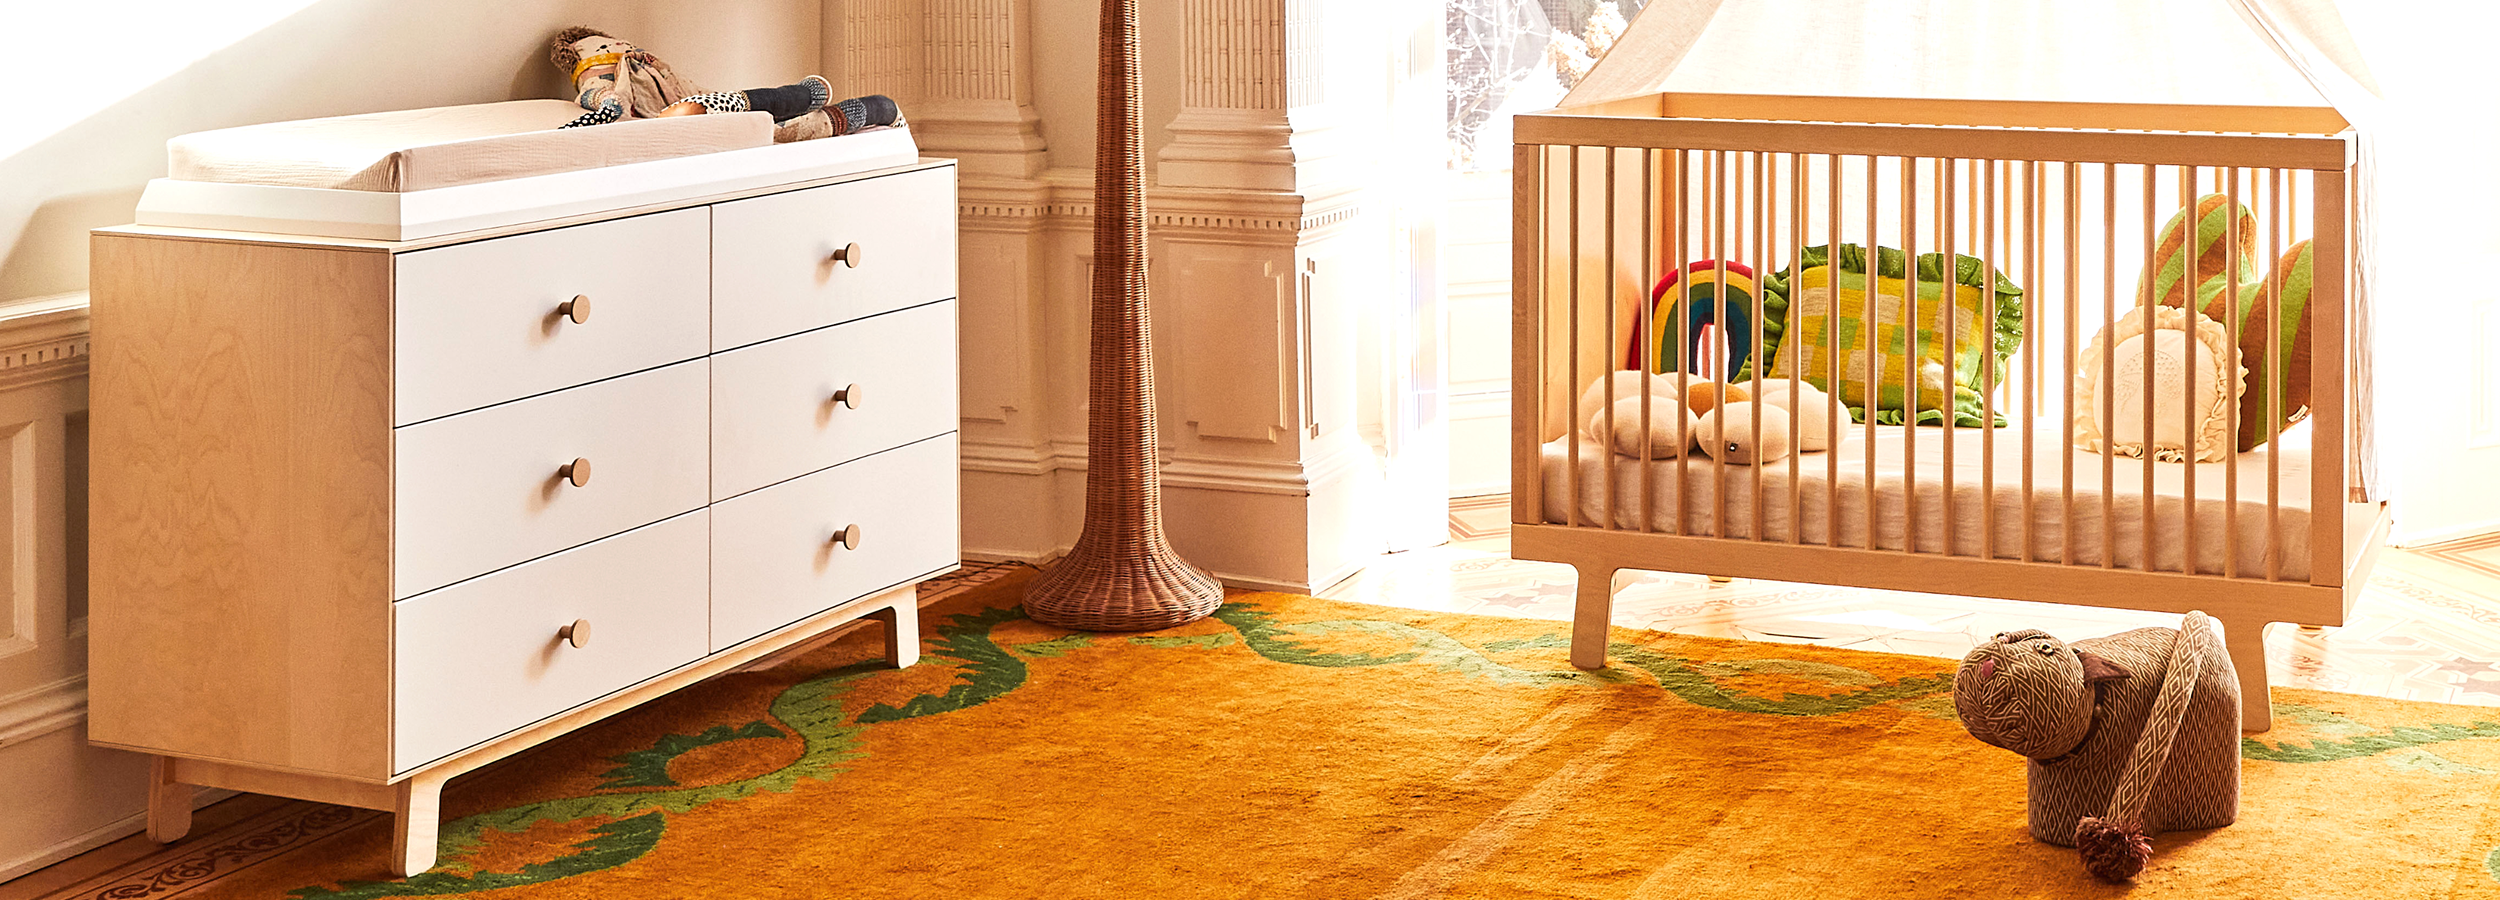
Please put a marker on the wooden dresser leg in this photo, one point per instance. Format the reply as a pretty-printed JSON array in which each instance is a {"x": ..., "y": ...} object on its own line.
[
  {"x": 169, "y": 802},
  {"x": 902, "y": 631},
  {"x": 1590, "y": 616},
  {"x": 2246, "y": 642},
  {"x": 417, "y": 818}
]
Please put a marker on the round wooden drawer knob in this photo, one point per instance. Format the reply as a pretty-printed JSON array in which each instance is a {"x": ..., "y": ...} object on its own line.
[
  {"x": 576, "y": 634},
  {"x": 577, "y": 472},
  {"x": 848, "y": 396},
  {"x": 847, "y": 538},
  {"x": 848, "y": 256},
  {"x": 576, "y": 309}
]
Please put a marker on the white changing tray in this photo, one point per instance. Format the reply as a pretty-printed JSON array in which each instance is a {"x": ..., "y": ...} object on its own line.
[{"x": 411, "y": 215}]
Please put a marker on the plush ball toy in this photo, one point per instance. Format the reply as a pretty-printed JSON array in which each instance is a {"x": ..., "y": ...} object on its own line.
[
  {"x": 1702, "y": 396},
  {"x": 1671, "y": 428},
  {"x": 2127, "y": 736},
  {"x": 1807, "y": 406},
  {"x": 1729, "y": 433}
]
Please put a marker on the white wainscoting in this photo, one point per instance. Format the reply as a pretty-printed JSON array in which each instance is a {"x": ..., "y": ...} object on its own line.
[{"x": 61, "y": 796}]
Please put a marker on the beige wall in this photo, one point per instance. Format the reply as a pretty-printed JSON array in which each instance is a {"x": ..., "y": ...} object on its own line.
[{"x": 333, "y": 57}]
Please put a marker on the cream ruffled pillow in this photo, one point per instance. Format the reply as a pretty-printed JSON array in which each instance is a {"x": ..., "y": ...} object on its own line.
[{"x": 2191, "y": 404}]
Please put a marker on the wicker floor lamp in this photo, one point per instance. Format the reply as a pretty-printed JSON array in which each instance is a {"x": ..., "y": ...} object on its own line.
[{"x": 1123, "y": 574}]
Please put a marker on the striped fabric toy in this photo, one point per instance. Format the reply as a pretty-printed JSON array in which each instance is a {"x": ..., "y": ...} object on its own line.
[
  {"x": 2276, "y": 354},
  {"x": 1708, "y": 294}
]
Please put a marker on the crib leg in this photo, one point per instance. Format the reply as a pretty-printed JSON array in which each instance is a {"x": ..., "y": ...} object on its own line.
[
  {"x": 2246, "y": 642},
  {"x": 1591, "y": 615}
]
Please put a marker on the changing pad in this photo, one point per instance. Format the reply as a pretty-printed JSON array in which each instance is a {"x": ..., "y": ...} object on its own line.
[
  {"x": 426, "y": 173},
  {"x": 421, "y": 149}
]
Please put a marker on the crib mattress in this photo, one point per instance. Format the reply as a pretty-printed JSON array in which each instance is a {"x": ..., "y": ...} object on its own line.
[
  {"x": 421, "y": 149},
  {"x": 1901, "y": 495}
]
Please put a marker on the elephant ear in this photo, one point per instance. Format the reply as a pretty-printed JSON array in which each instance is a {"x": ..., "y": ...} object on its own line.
[{"x": 2098, "y": 669}]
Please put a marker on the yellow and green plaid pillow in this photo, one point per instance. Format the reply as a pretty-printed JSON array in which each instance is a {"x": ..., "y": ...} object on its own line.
[{"x": 1822, "y": 313}]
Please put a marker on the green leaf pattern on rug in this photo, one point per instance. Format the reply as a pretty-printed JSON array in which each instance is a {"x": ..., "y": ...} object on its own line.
[
  {"x": 1055, "y": 647},
  {"x": 811, "y": 709},
  {"x": 2399, "y": 737},
  {"x": 1694, "y": 684},
  {"x": 989, "y": 670},
  {"x": 1178, "y": 641},
  {"x": 649, "y": 768},
  {"x": 986, "y": 670},
  {"x": 614, "y": 844}
]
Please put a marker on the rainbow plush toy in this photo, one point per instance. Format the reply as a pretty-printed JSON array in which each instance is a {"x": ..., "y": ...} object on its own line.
[{"x": 1707, "y": 294}]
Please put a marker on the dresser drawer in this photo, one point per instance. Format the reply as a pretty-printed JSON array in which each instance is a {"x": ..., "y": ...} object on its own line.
[
  {"x": 775, "y": 559},
  {"x": 477, "y": 324},
  {"x": 774, "y": 412},
  {"x": 482, "y": 490},
  {"x": 773, "y": 271},
  {"x": 483, "y": 657}
]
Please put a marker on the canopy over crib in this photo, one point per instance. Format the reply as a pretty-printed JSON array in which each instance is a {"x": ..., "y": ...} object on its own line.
[{"x": 2164, "y": 65}]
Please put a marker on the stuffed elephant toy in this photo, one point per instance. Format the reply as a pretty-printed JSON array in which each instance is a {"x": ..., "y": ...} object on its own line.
[{"x": 2127, "y": 736}]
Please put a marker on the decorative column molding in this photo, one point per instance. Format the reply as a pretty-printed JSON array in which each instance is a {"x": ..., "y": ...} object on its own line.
[
  {"x": 875, "y": 47},
  {"x": 978, "y": 55},
  {"x": 1247, "y": 64}
]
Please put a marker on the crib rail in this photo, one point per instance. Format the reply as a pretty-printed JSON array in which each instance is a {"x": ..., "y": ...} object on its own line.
[{"x": 2079, "y": 354}]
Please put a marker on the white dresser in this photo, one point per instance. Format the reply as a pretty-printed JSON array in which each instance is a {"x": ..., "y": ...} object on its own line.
[{"x": 367, "y": 515}]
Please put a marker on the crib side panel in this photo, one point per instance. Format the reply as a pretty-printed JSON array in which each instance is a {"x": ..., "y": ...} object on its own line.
[{"x": 2022, "y": 345}]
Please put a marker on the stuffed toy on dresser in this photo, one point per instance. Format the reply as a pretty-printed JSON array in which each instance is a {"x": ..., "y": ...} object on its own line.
[{"x": 614, "y": 80}]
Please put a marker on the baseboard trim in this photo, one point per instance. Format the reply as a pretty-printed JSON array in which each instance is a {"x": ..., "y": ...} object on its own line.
[
  {"x": 123, "y": 827},
  {"x": 2409, "y": 540},
  {"x": 1229, "y": 579},
  {"x": 43, "y": 710}
]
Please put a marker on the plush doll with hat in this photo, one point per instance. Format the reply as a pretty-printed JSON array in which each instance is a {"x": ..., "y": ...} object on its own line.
[{"x": 615, "y": 79}]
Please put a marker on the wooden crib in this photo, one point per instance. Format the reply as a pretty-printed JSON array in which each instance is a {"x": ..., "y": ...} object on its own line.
[{"x": 2066, "y": 202}]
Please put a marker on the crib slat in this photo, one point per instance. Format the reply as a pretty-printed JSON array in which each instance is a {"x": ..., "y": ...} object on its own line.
[
  {"x": 1606, "y": 450},
  {"x": 2277, "y": 218},
  {"x": 1760, "y": 212},
  {"x": 1871, "y": 342},
  {"x": 2030, "y": 350},
  {"x": 1571, "y": 355},
  {"x": 2109, "y": 354},
  {"x": 2327, "y": 386},
  {"x": 1946, "y": 181},
  {"x": 2144, "y": 297},
  {"x": 1909, "y": 355},
  {"x": 2187, "y": 383},
  {"x": 1988, "y": 259},
  {"x": 1833, "y": 414},
  {"x": 1718, "y": 265},
  {"x": 1797, "y": 189},
  {"x": 1529, "y": 312},
  {"x": 1682, "y": 223},
  {"x": 2074, "y": 323},
  {"x": 2231, "y": 399},
  {"x": 1647, "y": 328}
]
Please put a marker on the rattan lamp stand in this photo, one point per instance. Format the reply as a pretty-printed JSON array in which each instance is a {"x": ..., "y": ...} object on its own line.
[{"x": 1123, "y": 574}]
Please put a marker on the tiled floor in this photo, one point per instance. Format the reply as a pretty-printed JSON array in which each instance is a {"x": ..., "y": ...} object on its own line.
[{"x": 2426, "y": 628}]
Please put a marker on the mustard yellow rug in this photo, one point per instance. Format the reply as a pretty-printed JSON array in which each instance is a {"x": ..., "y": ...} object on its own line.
[{"x": 1291, "y": 747}]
